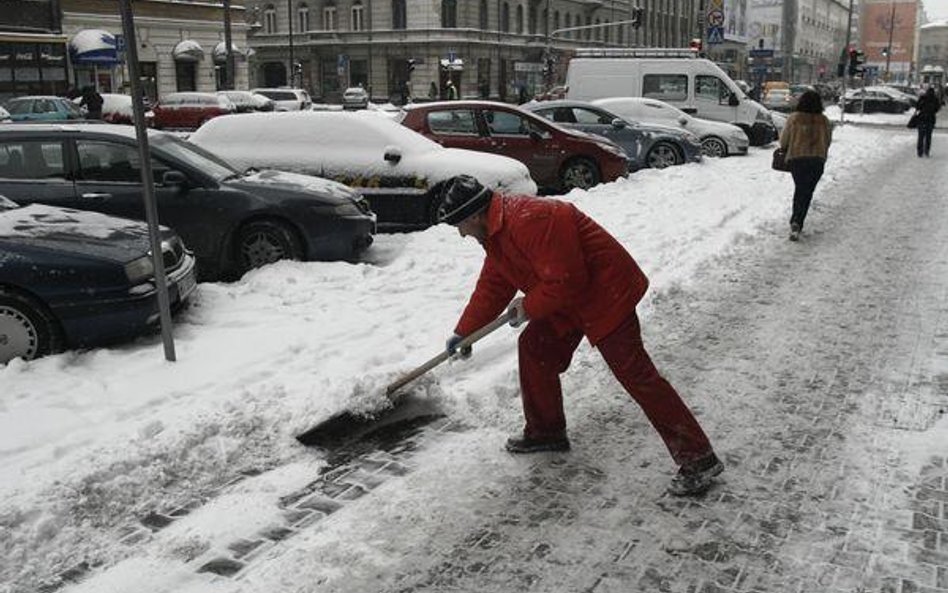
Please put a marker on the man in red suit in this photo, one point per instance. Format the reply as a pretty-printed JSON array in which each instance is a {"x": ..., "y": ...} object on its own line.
[{"x": 577, "y": 281}]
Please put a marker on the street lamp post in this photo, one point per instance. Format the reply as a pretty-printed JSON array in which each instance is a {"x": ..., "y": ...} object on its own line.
[
  {"x": 888, "y": 49},
  {"x": 229, "y": 56},
  {"x": 289, "y": 17}
]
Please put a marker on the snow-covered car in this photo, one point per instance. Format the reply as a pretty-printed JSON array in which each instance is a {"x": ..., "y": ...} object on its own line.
[
  {"x": 4, "y": 115},
  {"x": 116, "y": 108},
  {"x": 246, "y": 101},
  {"x": 910, "y": 98},
  {"x": 72, "y": 279},
  {"x": 646, "y": 145},
  {"x": 286, "y": 99},
  {"x": 399, "y": 171},
  {"x": 234, "y": 220},
  {"x": 355, "y": 97},
  {"x": 866, "y": 100},
  {"x": 718, "y": 139},
  {"x": 42, "y": 108}
]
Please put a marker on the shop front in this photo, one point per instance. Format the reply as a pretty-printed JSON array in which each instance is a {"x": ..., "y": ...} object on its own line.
[
  {"x": 95, "y": 57},
  {"x": 32, "y": 65}
]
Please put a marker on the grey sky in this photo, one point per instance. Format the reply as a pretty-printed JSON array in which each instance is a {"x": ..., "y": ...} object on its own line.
[{"x": 936, "y": 9}]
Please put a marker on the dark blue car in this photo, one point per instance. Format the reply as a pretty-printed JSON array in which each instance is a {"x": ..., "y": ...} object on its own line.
[{"x": 70, "y": 278}]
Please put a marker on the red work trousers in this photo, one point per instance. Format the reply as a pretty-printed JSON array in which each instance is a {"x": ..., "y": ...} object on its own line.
[{"x": 544, "y": 355}]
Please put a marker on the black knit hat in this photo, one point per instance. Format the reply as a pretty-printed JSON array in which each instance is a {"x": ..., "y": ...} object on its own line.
[{"x": 463, "y": 196}]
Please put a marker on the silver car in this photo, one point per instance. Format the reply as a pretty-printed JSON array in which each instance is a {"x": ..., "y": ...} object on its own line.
[{"x": 647, "y": 145}]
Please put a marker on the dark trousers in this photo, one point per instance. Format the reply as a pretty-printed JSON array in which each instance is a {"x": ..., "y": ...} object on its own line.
[
  {"x": 544, "y": 355},
  {"x": 924, "y": 145},
  {"x": 806, "y": 174}
]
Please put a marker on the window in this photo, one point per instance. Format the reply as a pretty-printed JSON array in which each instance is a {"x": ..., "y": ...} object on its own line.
[
  {"x": 453, "y": 122},
  {"x": 568, "y": 22},
  {"x": 399, "y": 14},
  {"x": 270, "y": 19},
  {"x": 358, "y": 17},
  {"x": 665, "y": 87},
  {"x": 556, "y": 20},
  {"x": 32, "y": 159},
  {"x": 505, "y": 17},
  {"x": 503, "y": 123},
  {"x": 116, "y": 163},
  {"x": 711, "y": 88},
  {"x": 532, "y": 19},
  {"x": 588, "y": 116},
  {"x": 185, "y": 74},
  {"x": 519, "y": 19},
  {"x": 483, "y": 16},
  {"x": 302, "y": 17},
  {"x": 449, "y": 14},
  {"x": 329, "y": 18}
]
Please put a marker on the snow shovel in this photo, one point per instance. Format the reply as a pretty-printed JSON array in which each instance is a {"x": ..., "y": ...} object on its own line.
[{"x": 346, "y": 424}]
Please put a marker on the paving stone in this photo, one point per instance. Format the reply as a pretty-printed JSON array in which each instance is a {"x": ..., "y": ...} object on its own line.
[
  {"x": 242, "y": 547},
  {"x": 277, "y": 533},
  {"x": 321, "y": 504},
  {"x": 225, "y": 567},
  {"x": 156, "y": 521}
]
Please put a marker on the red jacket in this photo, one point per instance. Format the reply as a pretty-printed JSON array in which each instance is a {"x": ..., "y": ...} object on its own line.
[{"x": 573, "y": 272}]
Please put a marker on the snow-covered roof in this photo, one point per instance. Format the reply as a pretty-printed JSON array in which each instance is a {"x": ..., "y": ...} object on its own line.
[
  {"x": 188, "y": 50},
  {"x": 220, "y": 51},
  {"x": 94, "y": 46}
]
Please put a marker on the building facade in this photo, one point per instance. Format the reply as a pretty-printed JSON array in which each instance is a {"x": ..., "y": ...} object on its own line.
[
  {"x": 808, "y": 36},
  {"x": 180, "y": 44},
  {"x": 500, "y": 49},
  {"x": 32, "y": 49},
  {"x": 933, "y": 45}
]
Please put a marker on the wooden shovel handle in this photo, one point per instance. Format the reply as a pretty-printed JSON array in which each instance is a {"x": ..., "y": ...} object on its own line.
[{"x": 443, "y": 356}]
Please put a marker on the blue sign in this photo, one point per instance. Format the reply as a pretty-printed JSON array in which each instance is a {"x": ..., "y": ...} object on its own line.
[
  {"x": 761, "y": 53},
  {"x": 715, "y": 35}
]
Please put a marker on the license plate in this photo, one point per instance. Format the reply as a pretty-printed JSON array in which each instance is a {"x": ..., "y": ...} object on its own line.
[{"x": 186, "y": 285}]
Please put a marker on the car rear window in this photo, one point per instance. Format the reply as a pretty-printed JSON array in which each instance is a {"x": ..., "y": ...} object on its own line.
[
  {"x": 455, "y": 121},
  {"x": 18, "y": 107}
]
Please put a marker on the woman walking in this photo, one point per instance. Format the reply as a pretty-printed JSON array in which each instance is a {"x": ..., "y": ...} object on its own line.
[
  {"x": 928, "y": 106},
  {"x": 805, "y": 139}
]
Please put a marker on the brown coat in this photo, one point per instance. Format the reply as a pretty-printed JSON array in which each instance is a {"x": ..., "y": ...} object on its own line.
[{"x": 806, "y": 135}]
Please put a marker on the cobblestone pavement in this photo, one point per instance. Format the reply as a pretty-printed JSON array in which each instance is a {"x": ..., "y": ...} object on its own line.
[{"x": 818, "y": 368}]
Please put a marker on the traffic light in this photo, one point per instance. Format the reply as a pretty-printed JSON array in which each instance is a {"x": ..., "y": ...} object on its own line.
[
  {"x": 411, "y": 65},
  {"x": 696, "y": 45},
  {"x": 856, "y": 60},
  {"x": 638, "y": 15}
]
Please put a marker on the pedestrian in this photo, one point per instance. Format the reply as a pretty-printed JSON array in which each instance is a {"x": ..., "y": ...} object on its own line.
[
  {"x": 433, "y": 90},
  {"x": 806, "y": 139},
  {"x": 452, "y": 91},
  {"x": 578, "y": 281},
  {"x": 926, "y": 108},
  {"x": 92, "y": 101}
]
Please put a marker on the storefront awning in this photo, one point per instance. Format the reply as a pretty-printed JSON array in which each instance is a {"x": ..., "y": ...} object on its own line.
[
  {"x": 220, "y": 52},
  {"x": 94, "y": 46},
  {"x": 188, "y": 51}
]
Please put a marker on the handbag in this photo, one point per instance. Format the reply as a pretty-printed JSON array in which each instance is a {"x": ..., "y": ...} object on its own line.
[
  {"x": 779, "y": 162},
  {"x": 913, "y": 121}
]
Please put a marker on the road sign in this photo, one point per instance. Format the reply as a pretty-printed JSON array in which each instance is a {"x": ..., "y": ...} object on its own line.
[
  {"x": 716, "y": 18},
  {"x": 761, "y": 53},
  {"x": 715, "y": 35},
  {"x": 120, "y": 43}
]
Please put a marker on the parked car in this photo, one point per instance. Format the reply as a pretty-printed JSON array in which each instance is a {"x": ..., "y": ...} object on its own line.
[
  {"x": 4, "y": 115},
  {"x": 189, "y": 111},
  {"x": 116, "y": 108},
  {"x": 246, "y": 101},
  {"x": 233, "y": 220},
  {"x": 718, "y": 139},
  {"x": 400, "y": 172},
  {"x": 42, "y": 108},
  {"x": 645, "y": 145},
  {"x": 73, "y": 279},
  {"x": 872, "y": 101},
  {"x": 910, "y": 98},
  {"x": 558, "y": 159},
  {"x": 779, "y": 100},
  {"x": 355, "y": 97},
  {"x": 287, "y": 99}
]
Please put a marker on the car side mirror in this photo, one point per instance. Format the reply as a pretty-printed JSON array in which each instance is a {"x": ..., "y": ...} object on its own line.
[
  {"x": 618, "y": 123},
  {"x": 393, "y": 155},
  {"x": 733, "y": 101},
  {"x": 174, "y": 179},
  {"x": 683, "y": 121}
]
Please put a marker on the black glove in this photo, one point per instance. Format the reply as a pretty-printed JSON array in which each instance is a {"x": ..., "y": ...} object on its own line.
[{"x": 451, "y": 347}]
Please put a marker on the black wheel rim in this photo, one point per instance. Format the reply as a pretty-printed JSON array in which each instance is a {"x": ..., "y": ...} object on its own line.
[{"x": 578, "y": 176}]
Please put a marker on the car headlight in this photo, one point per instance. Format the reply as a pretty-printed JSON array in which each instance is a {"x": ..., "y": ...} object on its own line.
[
  {"x": 765, "y": 117},
  {"x": 614, "y": 149},
  {"x": 692, "y": 138},
  {"x": 345, "y": 209},
  {"x": 139, "y": 270}
]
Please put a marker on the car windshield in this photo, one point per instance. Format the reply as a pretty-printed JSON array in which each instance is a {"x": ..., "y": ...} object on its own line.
[
  {"x": 19, "y": 106},
  {"x": 196, "y": 157},
  {"x": 7, "y": 204}
]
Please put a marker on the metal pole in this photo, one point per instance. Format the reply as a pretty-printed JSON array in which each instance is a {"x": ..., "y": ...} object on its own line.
[
  {"x": 289, "y": 16},
  {"x": 888, "y": 50},
  {"x": 229, "y": 73},
  {"x": 148, "y": 184},
  {"x": 849, "y": 35}
]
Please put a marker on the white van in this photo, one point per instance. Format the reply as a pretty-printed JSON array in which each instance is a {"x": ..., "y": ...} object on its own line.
[{"x": 695, "y": 85}]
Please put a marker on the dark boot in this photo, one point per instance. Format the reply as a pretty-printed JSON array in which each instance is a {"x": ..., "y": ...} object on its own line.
[
  {"x": 696, "y": 477},
  {"x": 525, "y": 444}
]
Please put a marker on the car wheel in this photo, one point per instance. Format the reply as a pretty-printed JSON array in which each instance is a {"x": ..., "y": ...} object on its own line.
[
  {"x": 437, "y": 198},
  {"x": 713, "y": 146},
  {"x": 265, "y": 241},
  {"x": 579, "y": 173},
  {"x": 27, "y": 328},
  {"x": 663, "y": 155}
]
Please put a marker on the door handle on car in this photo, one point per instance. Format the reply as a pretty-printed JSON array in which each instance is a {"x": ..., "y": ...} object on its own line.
[{"x": 96, "y": 196}]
